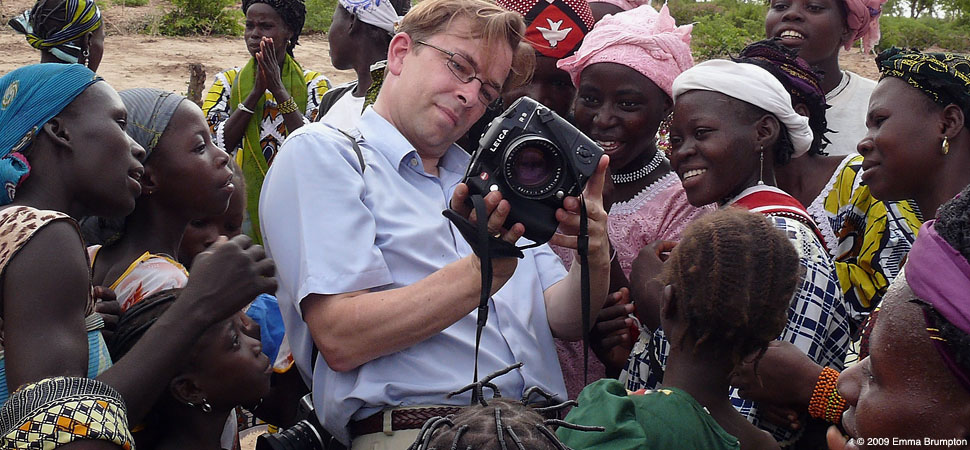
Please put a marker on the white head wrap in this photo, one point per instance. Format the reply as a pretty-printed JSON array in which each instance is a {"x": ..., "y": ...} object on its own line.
[
  {"x": 379, "y": 13},
  {"x": 752, "y": 84}
]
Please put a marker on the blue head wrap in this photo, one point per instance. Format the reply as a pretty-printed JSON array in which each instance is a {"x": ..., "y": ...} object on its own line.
[{"x": 32, "y": 96}]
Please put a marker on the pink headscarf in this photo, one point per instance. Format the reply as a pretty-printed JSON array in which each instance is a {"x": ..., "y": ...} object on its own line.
[
  {"x": 863, "y": 22},
  {"x": 642, "y": 39},
  {"x": 625, "y": 5}
]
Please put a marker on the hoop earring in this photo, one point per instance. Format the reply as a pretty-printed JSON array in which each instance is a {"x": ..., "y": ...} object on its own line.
[
  {"x": 946, "y": 145},
  {"x": 761, "y": 173},
  {"x": 86, "y": 53}
]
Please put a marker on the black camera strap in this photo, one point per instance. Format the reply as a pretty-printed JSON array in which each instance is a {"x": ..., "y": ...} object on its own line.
[
  {"x": 486, "y": 247},
  {"x": 582, "y": 247}
]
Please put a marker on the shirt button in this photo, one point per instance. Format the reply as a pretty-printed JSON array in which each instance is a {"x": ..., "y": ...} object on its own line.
[{"x": 414, "y": 162}]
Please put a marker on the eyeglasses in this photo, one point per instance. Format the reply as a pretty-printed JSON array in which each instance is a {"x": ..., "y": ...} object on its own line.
[{"x": 465, "y": 72}]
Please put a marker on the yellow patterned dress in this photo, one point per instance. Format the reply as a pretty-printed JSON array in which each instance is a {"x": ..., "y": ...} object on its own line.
[{"x": 868, "y": 239}]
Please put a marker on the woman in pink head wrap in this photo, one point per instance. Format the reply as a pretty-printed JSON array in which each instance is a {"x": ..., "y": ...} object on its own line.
[
  {"x": 623, "y": 73},
  {"x": 818, "y": 29}
]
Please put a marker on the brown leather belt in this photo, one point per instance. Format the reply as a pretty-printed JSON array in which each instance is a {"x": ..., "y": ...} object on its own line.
[{"x": 401, "y": 419}]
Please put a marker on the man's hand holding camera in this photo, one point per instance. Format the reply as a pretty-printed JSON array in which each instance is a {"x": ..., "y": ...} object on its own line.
[{"x": 498, "y": 210}]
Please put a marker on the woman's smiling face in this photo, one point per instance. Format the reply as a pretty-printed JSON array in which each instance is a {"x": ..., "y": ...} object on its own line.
[{"x": 714, "y": 146}]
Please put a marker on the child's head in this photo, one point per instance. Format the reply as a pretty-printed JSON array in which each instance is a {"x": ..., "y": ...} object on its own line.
[
  {"x": 731, "y": 278},
  {"x": 819, "y": 28},
  {"x": 225, "y": 369},
  {"x": 732, "y": 122},
  {"x": 916, "y": 381},
  {"x": 623, "y": 72},
  {"x": 801, "y": 81},
  {"x": 64, "y": 123},
  {"x": 184, "y": 170},
  {"x": 481, "y": 427},
  {"x": 201, "y": 233},
  {"x": 555, "y": 29}
]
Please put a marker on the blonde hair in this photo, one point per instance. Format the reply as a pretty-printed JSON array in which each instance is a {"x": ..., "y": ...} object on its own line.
[{"x": 490, "y": 23}]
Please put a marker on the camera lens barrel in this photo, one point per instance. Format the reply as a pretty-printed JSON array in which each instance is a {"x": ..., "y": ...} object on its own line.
[
  {"x": 533, "y": 166},
  {"x": 302, "y": 436}
]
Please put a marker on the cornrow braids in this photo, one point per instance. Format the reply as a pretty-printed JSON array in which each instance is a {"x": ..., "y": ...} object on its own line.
[
  {"x": 498, "y": 424},
  {"x": 293, "y": 13},
  {"x": 133, "y": 324},
  {"x": 734, "y": 275},
  {"x": 800, "y": 80}
]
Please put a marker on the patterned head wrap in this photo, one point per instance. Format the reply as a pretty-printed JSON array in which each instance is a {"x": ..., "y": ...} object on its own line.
[
  {"x": 555, "y": 28},
  {"x": 798, "y": 78},
  {"x": 625, "y": 5},
  {"x": 80, "y": 16},
  {"x": 149, "y": 111},
  {"x": 60, "y": 410},
  {"x": 940, "y": 275},
  {"x": 643, "y": 39},
  {"x": 943, "y": 77},
  {"x": 293, "y": 13},
  {"x": 862, "y": 18},
  {"x": 751, "y": 84},
  {"x": 32, "y": 95},
  {"x": 379, "y": 13}
]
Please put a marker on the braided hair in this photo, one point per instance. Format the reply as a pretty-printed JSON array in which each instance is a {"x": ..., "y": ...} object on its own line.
[
  {"x": 293, "y": 13},
  {"x": 498, "y": 424},
  {"x": 953, "y": 225},
  {"x": 734, "y": 275},
  {"x": 800, "y": 80}
]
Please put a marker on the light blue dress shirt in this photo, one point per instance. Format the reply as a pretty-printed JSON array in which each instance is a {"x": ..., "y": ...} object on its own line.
[{"x": 332, "y": 230}]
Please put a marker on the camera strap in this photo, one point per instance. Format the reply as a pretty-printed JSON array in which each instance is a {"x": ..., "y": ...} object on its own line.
[
  {"x": 486, "y": 247},
  {"x": 582, "y": 247}
]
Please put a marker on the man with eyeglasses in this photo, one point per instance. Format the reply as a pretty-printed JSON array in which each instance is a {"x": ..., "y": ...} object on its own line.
[{"x": 373, "y": 275}]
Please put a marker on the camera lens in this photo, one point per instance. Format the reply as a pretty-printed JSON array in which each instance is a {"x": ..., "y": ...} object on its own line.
[
  {"x": 302, "y": 436},
  {"x": 533, "y": 166}
]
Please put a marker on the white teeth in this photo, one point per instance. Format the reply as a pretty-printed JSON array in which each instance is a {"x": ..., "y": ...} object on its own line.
[
  {"x": 608, "y": 145},
  {"x": 693, "y": 173},
  {"x": 791, "y": 34}
]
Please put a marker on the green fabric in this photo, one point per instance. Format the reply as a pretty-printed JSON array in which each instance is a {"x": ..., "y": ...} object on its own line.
[
  {"x": 254, "y": 164},
  {"x": 661, "y": 419}
]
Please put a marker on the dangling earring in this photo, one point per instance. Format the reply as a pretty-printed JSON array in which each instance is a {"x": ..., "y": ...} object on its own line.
[
  {"x": 946, "y": 145},
  {"x": 86, "y": 53},
  {"x": 204, "y": 406},
  {"x": 761, "y": 174}
]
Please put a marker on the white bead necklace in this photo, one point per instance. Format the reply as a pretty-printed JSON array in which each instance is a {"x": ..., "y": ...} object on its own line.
[{"x": 629, "y": 177}]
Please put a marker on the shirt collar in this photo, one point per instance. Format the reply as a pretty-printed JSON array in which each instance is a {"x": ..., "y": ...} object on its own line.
[{"x": 384, "y": 138}]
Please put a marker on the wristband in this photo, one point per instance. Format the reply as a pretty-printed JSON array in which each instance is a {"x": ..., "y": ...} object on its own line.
[
  {"x": 243, "y": 107},
  {"x": 288, "y": 106},
  {"x": 826, "y": 403}
]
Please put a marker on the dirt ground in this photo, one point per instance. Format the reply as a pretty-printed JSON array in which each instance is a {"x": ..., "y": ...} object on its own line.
[{"x": 141, "y": 60}]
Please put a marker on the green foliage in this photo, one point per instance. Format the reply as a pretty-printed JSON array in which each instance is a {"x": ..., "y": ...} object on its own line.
[
  {"x": 318, "y": 15},
  {"x": 721, "y": 27},
  {"x": 201, "y": 17},
  {"x": 921, "y": 33},
  {"x": 130, "y": 2}
]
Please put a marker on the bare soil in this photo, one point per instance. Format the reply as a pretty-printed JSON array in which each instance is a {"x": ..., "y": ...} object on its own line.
[{"x": 134, "y": 59}]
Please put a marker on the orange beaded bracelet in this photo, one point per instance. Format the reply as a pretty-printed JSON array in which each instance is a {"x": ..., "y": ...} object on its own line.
[{"x": 826, "y": 403}]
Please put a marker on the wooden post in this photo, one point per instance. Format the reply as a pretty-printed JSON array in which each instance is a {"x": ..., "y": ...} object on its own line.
[{"x": 196, "y": 83}]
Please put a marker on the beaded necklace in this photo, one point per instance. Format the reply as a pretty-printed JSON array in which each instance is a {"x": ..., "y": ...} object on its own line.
[{"x": 629, "y": 177}]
